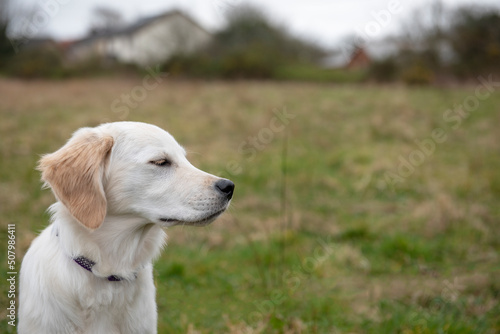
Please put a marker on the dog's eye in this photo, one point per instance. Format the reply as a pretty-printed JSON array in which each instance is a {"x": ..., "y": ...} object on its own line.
[{"x": 161, "y": 162}]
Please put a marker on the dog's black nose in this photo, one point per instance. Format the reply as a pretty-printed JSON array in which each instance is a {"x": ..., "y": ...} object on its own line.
[{"x": 226, "y": 187}]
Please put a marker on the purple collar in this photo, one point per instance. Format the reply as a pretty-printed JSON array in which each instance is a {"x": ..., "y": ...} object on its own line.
[{"x": 88, "y": 264}]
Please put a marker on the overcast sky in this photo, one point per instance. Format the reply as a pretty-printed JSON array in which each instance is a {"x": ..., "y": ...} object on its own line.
[{"x": 323, "y": 21}]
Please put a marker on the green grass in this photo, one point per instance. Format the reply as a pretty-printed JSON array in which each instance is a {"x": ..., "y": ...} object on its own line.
[
  {"x": 343, "y": 250},
  {"x": 312, "y": 73}
]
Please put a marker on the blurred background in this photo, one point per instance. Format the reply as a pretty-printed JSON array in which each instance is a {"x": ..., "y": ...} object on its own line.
[
  {"x": 385, "y": 41},
  {"x": 361, "y": 137}
]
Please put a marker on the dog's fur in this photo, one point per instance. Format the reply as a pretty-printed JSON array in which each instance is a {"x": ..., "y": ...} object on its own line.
[{"x": 117, "y": 186}]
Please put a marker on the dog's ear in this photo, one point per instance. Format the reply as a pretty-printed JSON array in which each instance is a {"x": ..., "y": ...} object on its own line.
[{"x": 75, "y": 173}]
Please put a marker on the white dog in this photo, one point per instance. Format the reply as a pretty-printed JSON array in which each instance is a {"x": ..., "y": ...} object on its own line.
[{"x": 117, "y": 186}]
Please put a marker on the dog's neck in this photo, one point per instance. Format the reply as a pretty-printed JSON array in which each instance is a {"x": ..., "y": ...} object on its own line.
[{"x": 121, "y": 246}]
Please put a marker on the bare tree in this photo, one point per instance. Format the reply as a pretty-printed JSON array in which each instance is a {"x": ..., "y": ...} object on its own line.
[
  {"x": 5, "y": 10},
  {"x": 6, "y": 49},
  {"x": 21, "y": 23},
  {"x": 105, "y": 19}
]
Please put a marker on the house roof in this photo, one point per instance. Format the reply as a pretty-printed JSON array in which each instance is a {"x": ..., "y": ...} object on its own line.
[{"x": 135, "y": 27}]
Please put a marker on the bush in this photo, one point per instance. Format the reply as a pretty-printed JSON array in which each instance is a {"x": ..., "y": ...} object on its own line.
[
  {"x": 249, "y": 47},
  {"x": 6, "y": 48},
  {"x": 251, "y": 63},
  {"x": 385, "y": 70},
  {"x": 475, "y": 39},
  {"x": 459, "y": 43},
  {"x": 37, "y": 63},
  {"x": 418, "y": 74}
]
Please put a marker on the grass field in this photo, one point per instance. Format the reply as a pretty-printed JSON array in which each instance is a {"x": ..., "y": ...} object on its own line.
[{"x": 358, "y": 209}]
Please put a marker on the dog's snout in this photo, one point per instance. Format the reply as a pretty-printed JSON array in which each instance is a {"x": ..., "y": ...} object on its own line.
[{"x": 226, "y": 187}]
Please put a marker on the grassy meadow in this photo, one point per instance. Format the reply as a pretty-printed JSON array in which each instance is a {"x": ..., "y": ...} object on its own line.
[{"x": 358, "y": 208}]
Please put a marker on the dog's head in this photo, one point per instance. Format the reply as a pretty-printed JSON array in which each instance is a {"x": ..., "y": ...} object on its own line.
[{"x": 130, "y": 168}]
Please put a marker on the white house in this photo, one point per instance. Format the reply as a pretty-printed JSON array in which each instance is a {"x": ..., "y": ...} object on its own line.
[{"x": 148, "y": 42}]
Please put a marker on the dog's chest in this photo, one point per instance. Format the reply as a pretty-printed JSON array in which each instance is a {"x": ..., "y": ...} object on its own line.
[
  {"x": 108, "y": 295},
  {"x": 102, "y": 308}
]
